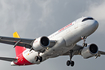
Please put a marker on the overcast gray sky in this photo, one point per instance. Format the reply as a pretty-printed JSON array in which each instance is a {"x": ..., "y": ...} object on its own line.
[{"x": 35, "y": 18}]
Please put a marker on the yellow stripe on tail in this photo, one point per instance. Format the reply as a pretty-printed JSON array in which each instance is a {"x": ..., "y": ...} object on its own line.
[
  {"x": 16, "y": 35},
  {"x": 18, "y": 49}
]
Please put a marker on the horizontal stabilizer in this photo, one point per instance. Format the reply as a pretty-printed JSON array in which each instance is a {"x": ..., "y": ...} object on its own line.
[{"x": 7, "y": 59}]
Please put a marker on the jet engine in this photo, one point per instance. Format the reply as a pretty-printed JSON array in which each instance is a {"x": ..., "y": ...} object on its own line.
[
  {"x": 41, "y": 43},
  {"x": 89, "y": 51}
]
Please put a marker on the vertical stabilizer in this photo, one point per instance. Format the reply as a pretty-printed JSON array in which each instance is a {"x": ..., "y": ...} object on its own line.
[{"x": 18, "y": 49}]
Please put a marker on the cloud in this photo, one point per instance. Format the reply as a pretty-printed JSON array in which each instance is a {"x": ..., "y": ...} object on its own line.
[
  {"x": 97, "y": 10},
  {"x": 34, "y": 18},
  {"x": 46, "y": 9},
  {"x": 14, "y": 15}
]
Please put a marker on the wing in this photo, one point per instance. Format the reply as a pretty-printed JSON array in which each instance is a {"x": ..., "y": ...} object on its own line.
[
  {"x": 7, "y": 59},
  {"x": 17, "y": 41},
  {"x": 101, "y": 52},
  {"x": 77, "y": 51}
]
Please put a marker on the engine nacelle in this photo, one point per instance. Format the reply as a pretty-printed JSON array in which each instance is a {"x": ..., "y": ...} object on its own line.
[
  {"x": 41, "y": 43},
  {"x": 89, "y": 51}
]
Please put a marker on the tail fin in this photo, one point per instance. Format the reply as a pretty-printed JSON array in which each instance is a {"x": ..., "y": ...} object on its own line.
[{"x": 18, "y": 49}]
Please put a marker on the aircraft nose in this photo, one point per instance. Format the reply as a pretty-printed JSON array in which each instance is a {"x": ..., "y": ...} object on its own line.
[
  {"x": 96, "y": 24},
  {"x": 92, "y": 25}
]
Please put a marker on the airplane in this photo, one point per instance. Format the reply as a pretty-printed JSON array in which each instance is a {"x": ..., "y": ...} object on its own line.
[{"x": 61, "y": 43}]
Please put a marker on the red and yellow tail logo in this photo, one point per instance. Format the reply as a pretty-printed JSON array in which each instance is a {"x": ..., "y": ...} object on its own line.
[
  {"x": 16, "y": 35},
  {"x": 18, "y": 49}
]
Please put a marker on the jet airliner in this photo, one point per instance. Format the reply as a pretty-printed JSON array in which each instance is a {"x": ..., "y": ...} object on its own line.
[{"x": 62, "y": 42}]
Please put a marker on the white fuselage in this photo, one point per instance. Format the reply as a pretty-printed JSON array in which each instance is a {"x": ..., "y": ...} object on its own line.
[{"x": 66, "y": 39}]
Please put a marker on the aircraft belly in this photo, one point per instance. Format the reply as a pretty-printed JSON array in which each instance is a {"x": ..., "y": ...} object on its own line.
[
  {"x": 30, "y": 56},
  {"x": 55, "y": 50},
  {"x": 75, "y": 35},
  {"x": 72, "y": 36}
]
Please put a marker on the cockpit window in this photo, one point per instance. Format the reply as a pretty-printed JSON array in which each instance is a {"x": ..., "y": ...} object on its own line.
[{"x": 87, "y": 19}]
